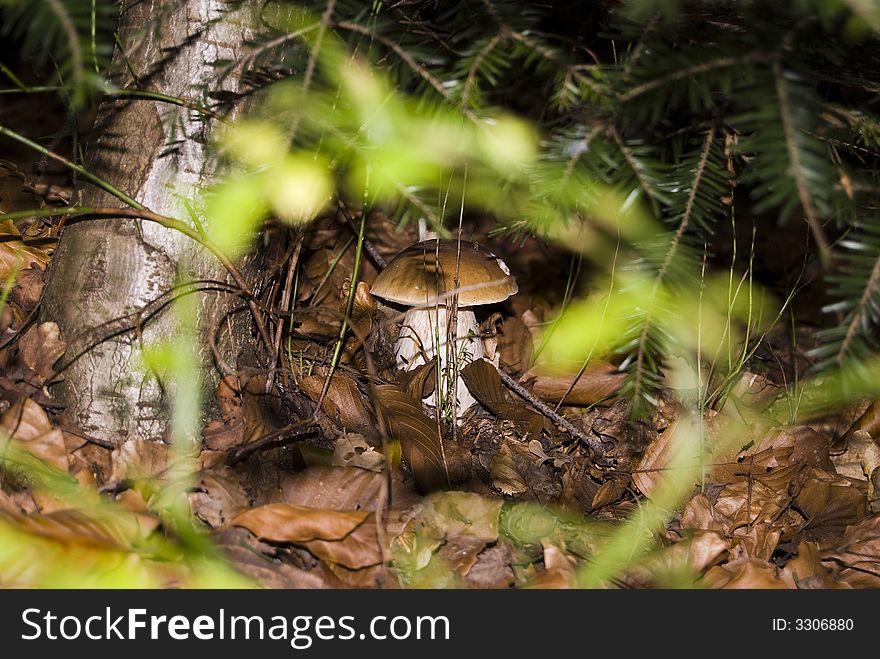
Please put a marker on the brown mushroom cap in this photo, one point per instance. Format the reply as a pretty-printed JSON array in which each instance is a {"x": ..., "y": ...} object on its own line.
[{"x": 424, "y": 273}]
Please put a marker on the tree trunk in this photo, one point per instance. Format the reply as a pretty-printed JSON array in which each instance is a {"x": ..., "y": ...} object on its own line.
[{"x": 105, "y": 270}]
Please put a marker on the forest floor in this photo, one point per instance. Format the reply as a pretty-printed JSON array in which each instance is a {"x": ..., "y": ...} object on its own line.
[{"x": 527, "y": 502}]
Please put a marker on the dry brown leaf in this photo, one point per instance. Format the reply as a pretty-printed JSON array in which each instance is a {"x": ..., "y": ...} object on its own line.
[
  {"x": 558, "y": 572},
  {"x": 342, "y": 488},
  {"x": 611, "y": 490},
  {"x": 598, "y": 382},
  {"x": 28, "y": 287},
  {"x": 357, "y": 550},
  {"x": 15, "y": 254},
  {"x": 419, "y": 441},
  {"x": 223, "y": 435},
  {"x": 218, "y": 496},
  {"x": 284, "y": 522},
  {"x": 505, "y": 474},
  {"x": 39, "y": 348},
  {"x": 460, "y": 553},
  {"x": 807, "y": 571},
  {"x": 745, "y": 573},
  {"x": 28, "y": 424},
  {"x": 484, "y": 383},
  {"x": 706, "y": 548},
  {"x": 135, "y": 459},
  {"x": 245, "y": 554},
  {"x": 831, "y": 502},
  {"x": 861, "y": 459},
  {"x": 857, "y": 554},
  {"x": 493, "y": 568},
  {"x": 514, "y": 345},
  {"x": 343, "y": 403},
  {"x": 651, "y": 472}
]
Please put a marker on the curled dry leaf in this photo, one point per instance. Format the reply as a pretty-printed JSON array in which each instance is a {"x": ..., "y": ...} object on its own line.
[
  {"x": 493, "y": 568},
  {"x": 218, "y": 496},
  {"x": 598, "y": 382},
  {"x": 15, "y": 255},
  {"x": 358, "y": 550},
  {"x": 484, "y": 383},
  {"x": 857, "y": 554},
  {"x": 39, "y": 348},
  {"x": 861, "y": 459},
  {"x": 28, "y": 288},
  {"x": 514, "y": 345},
  {"x": 419, "y": 441},
  {"x": 246, "y": 555},
  {"x": 651, "y": 472},
  {"x": 830, "y": 502},
  {"x": 139, "y": 458},
  {"x": 343, "y": 403},
  {"x": 505, "y": 475},
  {"x": 559, "y": 570},
  {"x": 807, "y": 571},
  {"x": 284, "y": 522},
  {"x": 27, "y": 424},
  {"x": 746, "y": 573},
  {"x": 342, "y": 488}
]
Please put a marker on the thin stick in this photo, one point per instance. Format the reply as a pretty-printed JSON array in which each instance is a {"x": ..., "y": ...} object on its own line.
[
  {"x": 293, "y": 432},
  {"x": 378, "y": 259},
  {"x": 559, "y": 420}
]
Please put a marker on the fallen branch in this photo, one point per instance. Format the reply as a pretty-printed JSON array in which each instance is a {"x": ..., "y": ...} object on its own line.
[{"x": 594, "y": 444}]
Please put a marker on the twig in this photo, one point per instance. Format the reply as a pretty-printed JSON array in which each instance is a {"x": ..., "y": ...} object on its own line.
[
  {"x": 97, "y": 441},
  {"x": 378, "y": 259},
  {"x": 559, "y": 420},
  {"x": 293, "y": 432}
]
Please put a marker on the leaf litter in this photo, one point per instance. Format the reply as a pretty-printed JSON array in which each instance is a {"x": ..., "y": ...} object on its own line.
[{"x": 388, "y": 494}]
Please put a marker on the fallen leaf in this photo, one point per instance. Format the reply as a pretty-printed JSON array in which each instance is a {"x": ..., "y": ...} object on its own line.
[
  {"x": 493, "y": 568},
  {"x": 806, "y": 571},
  {"x": 857, "y": 554},
  {"x": 342, "y": 488},
  {"x": 39, "y": 348},
  {"x": 15, "y": 255},
  {"x": 136, "y": 459},
  {"x": 28, "y": 288},
  {"x": 343, "y": 403},
  {"x": 598, "y": 382},
  {"x": 514, "y": 345},
  {"x": 484, "y": 383},
  {"x": 505, "y": 474},
  {"x": 243, "y": 551},
  {"x": 651, "y": 472},
  {"x": 559, "y": 570},
  {"x": 611, "y": 490},
  {"x": 28, "y": 425},
  {"x": 218, "y": 496},
  {"x": 357, "y": 550},
  {"x": 419, "y": 441},
  {"x": 749, "y": 574},
  {"x": 284, "y": 522}
]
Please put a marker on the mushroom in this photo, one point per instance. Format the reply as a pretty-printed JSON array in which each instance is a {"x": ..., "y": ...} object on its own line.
[{"x": 431, "y": 277}]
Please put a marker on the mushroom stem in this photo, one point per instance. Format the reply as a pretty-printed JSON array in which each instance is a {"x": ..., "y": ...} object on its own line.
[{"x": 425, "y": 334}]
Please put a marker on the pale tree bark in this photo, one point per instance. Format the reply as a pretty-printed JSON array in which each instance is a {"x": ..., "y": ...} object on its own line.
[{"x": 106, "y": 269}]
